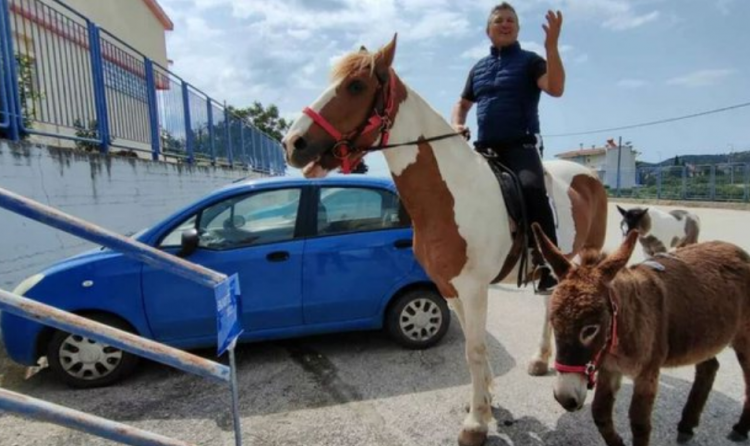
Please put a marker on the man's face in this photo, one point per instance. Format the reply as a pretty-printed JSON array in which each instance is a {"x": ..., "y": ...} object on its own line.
[{"x": 503, "y": 28}]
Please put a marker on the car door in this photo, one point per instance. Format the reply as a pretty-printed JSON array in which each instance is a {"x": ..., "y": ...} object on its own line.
[
  {"x": 254, "y": 235},
  {"x": 360, "y": 251}
]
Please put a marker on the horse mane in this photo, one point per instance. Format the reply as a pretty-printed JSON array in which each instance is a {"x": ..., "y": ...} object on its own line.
[{"x": 352, "y": 63}]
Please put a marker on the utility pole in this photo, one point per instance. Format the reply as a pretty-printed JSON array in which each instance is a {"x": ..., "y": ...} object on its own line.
[{"x": 619, "y": 159}]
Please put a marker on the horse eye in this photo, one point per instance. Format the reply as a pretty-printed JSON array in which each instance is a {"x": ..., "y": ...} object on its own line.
[{"x": 356, "y": 87}]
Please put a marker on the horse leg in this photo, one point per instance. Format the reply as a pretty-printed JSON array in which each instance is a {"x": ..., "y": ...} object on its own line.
[
  {"x": 538, "y": 365},
  {"x": 607, "y": 385},
  {"x": 705, "y": 372},
  {"x": 742, "y": 350},
  {"x": 457, "y": 306},
  {"x": 474, "y": 303},
  {"x": 641, "y": 406}
]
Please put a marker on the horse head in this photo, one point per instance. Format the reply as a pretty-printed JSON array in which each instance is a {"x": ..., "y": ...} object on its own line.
[
  {"x": 350, "y": 116},
  {"x": 583, "y": 313},
  {"x": 632, "y": 219}
]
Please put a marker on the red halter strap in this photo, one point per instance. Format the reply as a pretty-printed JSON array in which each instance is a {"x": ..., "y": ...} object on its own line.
[
  {"x": 344, "y": 145},
  {"x": 589, "y": 370}
]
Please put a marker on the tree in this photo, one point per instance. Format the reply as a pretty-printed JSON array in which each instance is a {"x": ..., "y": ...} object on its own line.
[
  {"x": 677, "y": 160},
  {"x": 265, "y": 119}
]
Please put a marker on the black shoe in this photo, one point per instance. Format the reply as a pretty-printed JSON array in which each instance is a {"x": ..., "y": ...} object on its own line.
[{"x": 547, "y": 282}]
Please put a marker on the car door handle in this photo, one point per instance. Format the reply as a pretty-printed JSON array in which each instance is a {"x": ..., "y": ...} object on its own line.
[
  {"x": 277, "y": 256},
  {"x": 403, "y": 243}
]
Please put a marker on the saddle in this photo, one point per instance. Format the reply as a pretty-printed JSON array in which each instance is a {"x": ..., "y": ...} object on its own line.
[{"x": 510, "y": 186}]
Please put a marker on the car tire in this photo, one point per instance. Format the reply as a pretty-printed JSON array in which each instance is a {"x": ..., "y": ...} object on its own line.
[
  {"x": 418, "y": 319},
  {"x": 102, "y": 364}
]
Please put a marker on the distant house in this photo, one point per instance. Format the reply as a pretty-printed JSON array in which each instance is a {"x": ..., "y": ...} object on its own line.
[{"x": 604, "y": 161}]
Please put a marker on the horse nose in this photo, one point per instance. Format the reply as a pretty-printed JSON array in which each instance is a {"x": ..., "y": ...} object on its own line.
[{"x": 299, "y": 143}]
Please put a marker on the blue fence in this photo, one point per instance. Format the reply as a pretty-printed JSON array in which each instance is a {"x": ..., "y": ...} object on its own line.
[{"x": 65, "y": 77}]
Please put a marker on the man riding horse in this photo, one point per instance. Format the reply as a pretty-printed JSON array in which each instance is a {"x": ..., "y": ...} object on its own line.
[{"x": 506, "y": 85}]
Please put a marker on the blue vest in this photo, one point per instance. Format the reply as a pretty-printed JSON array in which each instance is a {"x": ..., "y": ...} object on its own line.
[{"x": 506, "y": 94}]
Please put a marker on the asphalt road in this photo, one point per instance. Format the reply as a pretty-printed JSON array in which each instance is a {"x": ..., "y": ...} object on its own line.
[{"x": 361, "y": 389}]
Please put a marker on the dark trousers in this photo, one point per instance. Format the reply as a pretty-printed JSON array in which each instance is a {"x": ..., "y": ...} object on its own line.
[{"x": 524, "y": 159}]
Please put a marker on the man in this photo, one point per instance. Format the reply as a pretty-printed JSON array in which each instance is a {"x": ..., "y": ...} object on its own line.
[{"x": 506, "y": 85}]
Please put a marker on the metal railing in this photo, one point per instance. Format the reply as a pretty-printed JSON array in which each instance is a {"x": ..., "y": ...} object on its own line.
[
  {"x": 706, "y": 182},
  {"x": 71, "y": 323},
  {"x": 65, "y": 77}
]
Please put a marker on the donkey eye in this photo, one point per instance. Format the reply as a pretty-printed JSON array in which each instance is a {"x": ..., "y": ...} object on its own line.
[
  {"x": 356, "y": 87},
  {"x": 588, "y": 333}
]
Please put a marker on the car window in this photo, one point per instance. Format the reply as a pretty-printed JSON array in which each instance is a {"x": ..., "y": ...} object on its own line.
[
  {"x": 174, "y": 238},
  {"x": 354, "y": 209},
  {"x": 262, "y": 217}
]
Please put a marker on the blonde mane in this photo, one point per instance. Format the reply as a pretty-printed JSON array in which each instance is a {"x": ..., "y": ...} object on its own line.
[{"x": 353, "y": 63}]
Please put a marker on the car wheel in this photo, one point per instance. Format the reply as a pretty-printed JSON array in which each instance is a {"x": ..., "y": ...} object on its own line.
[
  {"x": 85, "y": 363},
  {"x": 418, "y": 319}
]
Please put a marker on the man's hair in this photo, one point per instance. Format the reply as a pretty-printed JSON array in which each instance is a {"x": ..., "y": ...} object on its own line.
[{"x": 504, "y": 6}]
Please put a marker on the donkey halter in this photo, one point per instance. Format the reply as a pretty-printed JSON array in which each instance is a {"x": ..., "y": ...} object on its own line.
[
  {"x": 590, "y": 368},
  {"x": 381, "y": 121}
]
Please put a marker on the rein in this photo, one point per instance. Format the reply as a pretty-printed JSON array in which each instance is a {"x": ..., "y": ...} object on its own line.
[
  {"x": 345, "y": 145},
  {"x": 589, "y": 370}
]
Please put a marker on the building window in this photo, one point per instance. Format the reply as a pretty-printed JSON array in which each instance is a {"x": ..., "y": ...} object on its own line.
[{"x": 123, "y": 81}]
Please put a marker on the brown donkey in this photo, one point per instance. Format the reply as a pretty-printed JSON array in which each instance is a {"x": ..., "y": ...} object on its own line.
[{"x": 676, "y": 310}]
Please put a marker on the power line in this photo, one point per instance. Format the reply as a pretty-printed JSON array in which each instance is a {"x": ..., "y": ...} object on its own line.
[{"x": 646, "y": 124}]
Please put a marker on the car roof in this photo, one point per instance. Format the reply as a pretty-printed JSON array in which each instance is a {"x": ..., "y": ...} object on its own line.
[{"x": 337, "y": 180}]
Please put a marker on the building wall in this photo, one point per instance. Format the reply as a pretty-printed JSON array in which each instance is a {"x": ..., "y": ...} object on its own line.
[
  {"x": 121, "y": 194},
  {"x": 627, "y": 169},
  {"x": 129, "y": 20}
]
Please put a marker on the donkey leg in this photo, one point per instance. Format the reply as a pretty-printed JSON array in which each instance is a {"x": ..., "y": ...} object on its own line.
[
  {"x": 608, "y": 383},
  {"x": 474, "y": 432},
  {"x": 642, "y": 405},
  {"x": 538, "y": 365},
  {"x": 705, "y": 372},
  {"x": 740, "y": 430}
]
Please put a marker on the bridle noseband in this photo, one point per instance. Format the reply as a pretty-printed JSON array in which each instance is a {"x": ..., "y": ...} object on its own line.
[
  {"x": 381, "y": 121},
  {"x": 589, "y": 370}
]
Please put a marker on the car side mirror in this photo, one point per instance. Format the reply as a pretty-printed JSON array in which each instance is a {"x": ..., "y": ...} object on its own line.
[{"x": 190, "y": 241}]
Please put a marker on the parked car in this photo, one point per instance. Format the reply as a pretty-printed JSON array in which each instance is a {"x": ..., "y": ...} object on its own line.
[{"x": 313, "y": 256}]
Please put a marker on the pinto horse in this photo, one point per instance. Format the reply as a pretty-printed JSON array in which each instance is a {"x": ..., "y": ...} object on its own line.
[
  {"x": 675, "y": 310},
  {"x": 462, "y": 231}
]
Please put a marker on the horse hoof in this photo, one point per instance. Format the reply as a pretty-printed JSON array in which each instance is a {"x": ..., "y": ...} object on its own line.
[
  {"x": 736, "y": 436},
  {"x": 537, "y": 367},
  {"x": 471, "y": 438},
  {"x": 684, "y": 437}
]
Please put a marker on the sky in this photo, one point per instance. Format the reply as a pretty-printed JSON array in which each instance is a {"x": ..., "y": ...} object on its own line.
[{"x": 627, "y": 61}]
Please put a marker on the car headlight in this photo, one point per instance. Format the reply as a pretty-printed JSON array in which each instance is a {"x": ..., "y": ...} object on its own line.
[{"x": 27, "y": 284}]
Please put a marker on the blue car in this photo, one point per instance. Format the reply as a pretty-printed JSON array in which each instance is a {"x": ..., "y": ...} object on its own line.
[{"x": 313, "y": 256}]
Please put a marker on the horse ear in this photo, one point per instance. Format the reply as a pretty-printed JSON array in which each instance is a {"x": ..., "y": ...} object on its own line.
[
  {"x": 556, "y": 259},
  {"x": 384, "y": 59},
  {"x": 622, "y": 211},
  {"x": 618, "y": 259},
  {"x": 362, "y": 49}
]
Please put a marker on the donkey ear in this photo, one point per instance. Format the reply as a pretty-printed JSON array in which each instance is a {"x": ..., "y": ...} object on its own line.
[
  {"x": 384, "y": 59},
  {"x": 556, "y": 259},
  {"x": 618, "y": 259},
  {"x": 622, "y": 211}
]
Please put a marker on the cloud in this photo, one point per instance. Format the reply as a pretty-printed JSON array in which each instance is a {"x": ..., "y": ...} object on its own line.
[
  {"x": 630, "y": 22},
  {"x": 724, "y": 6},
  {"x": 631, "y": 83},
  {"x": 477, "y": 51},
  {"x": 702, "y": 78}
]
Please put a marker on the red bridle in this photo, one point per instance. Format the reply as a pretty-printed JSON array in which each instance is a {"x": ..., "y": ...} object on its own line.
[
  {"x": 381, "y": 121},
  {"x": 589, "y": 370}
]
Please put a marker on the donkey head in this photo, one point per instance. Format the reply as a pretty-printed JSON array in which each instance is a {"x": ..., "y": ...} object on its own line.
[
  {"x": 635, "y": 219},
  {"x": 581, "y": 313}
]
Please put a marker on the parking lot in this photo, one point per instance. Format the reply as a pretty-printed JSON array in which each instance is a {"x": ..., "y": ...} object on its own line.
[{"x": 362, "y": 389}]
